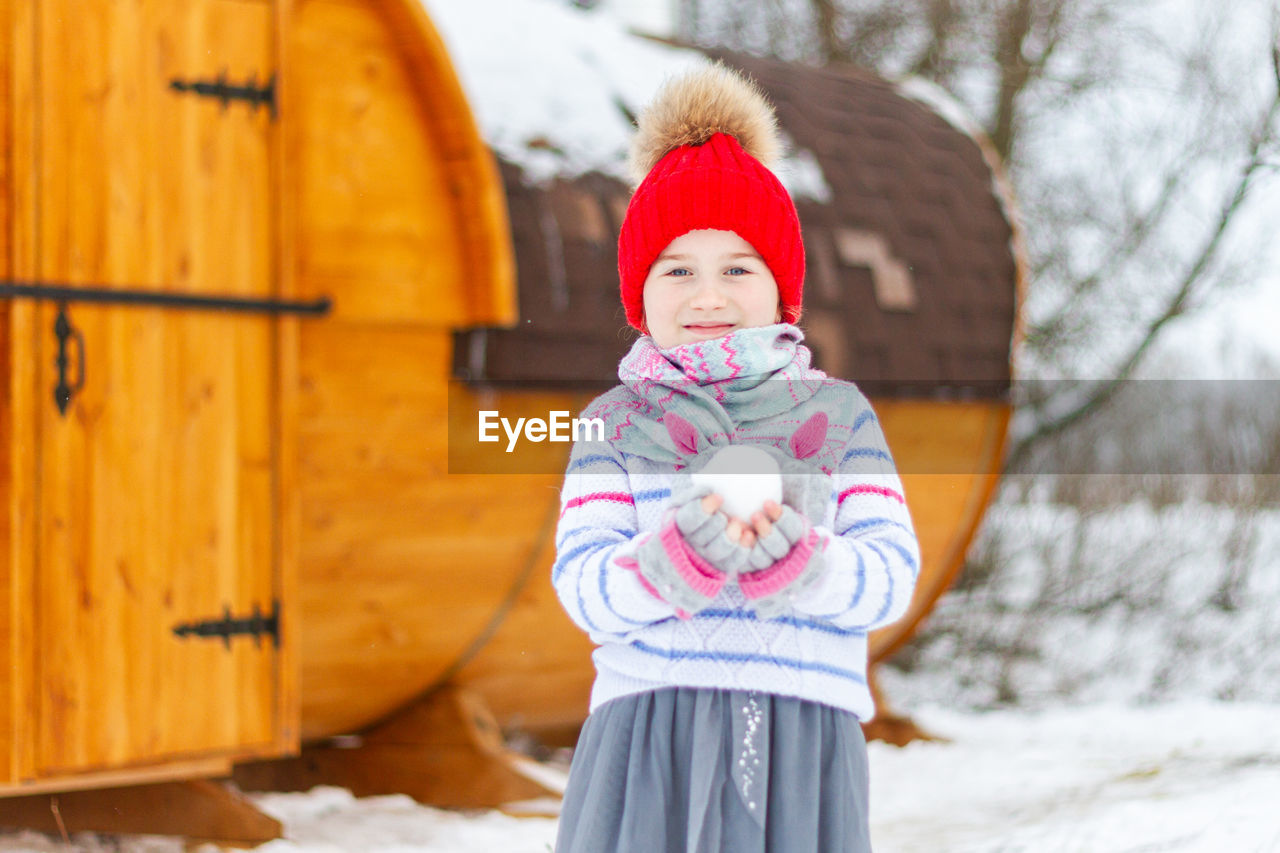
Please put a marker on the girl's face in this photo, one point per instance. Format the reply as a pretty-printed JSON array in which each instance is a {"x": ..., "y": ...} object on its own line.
[{"x": 706, "y": 284}]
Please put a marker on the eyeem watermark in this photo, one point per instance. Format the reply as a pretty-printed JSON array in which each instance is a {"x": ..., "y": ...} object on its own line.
[{"x": 559, "y": 426}]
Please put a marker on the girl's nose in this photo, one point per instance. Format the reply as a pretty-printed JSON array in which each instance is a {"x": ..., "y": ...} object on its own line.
[{"x": 708, "y": 295}]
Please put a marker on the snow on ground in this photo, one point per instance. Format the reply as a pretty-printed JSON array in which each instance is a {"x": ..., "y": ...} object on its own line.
[
  {"x": 1184, "y": 776},
  {"x": 1188, "y": 776}
]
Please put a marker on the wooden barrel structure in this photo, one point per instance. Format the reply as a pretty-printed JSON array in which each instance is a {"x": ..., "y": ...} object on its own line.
[
  {"x": 410, "y": 578},
  {"x": 354, "y": 179}
]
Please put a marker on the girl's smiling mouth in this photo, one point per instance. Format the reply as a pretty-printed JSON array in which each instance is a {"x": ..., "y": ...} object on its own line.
[{"x": 710, "y": 328}]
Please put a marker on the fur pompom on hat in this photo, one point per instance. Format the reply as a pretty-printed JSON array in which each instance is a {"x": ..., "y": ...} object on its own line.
[{"x": 699, "y": 158}]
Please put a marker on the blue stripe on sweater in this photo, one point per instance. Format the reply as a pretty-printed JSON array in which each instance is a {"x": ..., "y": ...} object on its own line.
[
  {"x": 907, "y": 556},
  {"x": 870, "y": 523},
  {"x": 747, "y": 657},
  {"x": 558, "y": 568},
  {"x": 866, "y": 453},
  {"x": 862, "y": 581},
  {"x": 591, "y": 528},
  {"x": 809, "y": 624},
  {"x": 888, "y": 595},
  {"x": 592, "y": 459},
  {"x": 652, "y": 495},
  {"x": 604, "y": 592},
  {"x": 582, "y": 603},
  {"x": 862, "y": 419}
]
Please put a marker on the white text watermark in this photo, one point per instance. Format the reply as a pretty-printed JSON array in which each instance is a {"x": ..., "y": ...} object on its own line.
[{"x": 558, "y": 426}]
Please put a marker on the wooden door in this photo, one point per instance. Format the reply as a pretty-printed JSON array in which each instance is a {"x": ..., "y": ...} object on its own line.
[{"x": 156, "y": 497}]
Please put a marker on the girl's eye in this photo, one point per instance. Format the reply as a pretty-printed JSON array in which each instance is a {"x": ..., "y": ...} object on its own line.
[
  {"x": 738, "y": 271},
  {"x": 678, "y": 271}
]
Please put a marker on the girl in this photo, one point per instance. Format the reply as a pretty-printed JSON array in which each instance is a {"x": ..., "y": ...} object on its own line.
[{"x": 731, "y": 668}]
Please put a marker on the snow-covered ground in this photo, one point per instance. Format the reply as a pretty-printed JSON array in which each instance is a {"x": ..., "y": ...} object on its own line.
[
  {"x": 1187, "y": 776},
  {"x": 1184, "y": 776}
]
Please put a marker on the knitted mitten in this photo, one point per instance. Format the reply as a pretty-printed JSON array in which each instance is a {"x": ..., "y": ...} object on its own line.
[
  {"x": 706, "y": 533},
  {"x": 781, "y": 564},
  {"x": 690, "y": 557},
  {"x": 806, "y": 489}
]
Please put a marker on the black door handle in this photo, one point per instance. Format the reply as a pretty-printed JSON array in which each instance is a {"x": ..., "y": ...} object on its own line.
[{"x": 62, "y": 392}]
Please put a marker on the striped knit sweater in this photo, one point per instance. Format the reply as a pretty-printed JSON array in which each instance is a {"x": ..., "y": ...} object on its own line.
[{"x": 612, "y": 500}]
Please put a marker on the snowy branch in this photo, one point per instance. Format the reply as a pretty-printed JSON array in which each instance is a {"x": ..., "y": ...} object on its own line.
[{"x": 1194, "y": 276}]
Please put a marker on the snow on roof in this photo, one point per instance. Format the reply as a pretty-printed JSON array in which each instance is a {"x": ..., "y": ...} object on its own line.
[
  {"x": 554, "y": 88},
  {"x": 941, "y": 102},
  {"x": 801, "y": 173},
  {"x": 548, "y": 84}
]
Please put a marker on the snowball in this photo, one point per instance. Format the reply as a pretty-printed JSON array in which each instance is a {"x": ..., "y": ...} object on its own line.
[{"x": 745, "y": 476}]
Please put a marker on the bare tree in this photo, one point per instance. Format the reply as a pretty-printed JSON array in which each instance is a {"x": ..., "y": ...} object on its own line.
[
  {"x": 1020, "y": 66},
  {"x": 1137, "y": 152}
]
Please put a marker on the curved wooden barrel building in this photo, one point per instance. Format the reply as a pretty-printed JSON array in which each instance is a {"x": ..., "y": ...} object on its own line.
[
  {"x": 297, "y": 533},
  {"x": 410, "y": 577}
]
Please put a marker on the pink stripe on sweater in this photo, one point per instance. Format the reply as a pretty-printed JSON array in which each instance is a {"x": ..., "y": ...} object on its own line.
[
  {"x": 870, "y": 490},
  {"x": 615, "y": 497}
]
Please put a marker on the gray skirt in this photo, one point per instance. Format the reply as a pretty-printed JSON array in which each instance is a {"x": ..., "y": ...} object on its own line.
[{"x": 685, "y": 770}]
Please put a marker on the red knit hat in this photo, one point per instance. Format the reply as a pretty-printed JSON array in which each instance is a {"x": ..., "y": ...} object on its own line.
[{"x": 698, "y": 154}]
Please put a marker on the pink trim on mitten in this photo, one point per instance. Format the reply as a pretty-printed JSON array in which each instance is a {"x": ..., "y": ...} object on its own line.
[
  {"x": 702, "y": 577},
  {"x": 766, "y": 582}
]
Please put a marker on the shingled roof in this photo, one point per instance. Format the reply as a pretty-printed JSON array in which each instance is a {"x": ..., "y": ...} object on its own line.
[{"x": 912, "y": 275}]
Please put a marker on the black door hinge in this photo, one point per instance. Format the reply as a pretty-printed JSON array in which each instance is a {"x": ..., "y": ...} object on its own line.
[
  {"x": 255, "y": 625},
  {"x": 103, "y": 295},
  {"x": 222, "y": 90},
  {"x": 66, "y": 332}
]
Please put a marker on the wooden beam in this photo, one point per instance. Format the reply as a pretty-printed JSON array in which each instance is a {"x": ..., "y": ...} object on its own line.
[
  {"x": 888, "y": 725},
  {"x": 445, "y": 750},
  {"x": 198, "y": 809}
]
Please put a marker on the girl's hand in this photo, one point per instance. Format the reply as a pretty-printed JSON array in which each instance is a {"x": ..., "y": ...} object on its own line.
[
  {"x": 688, "y": 560},
  {"x": 761, "y": 524},
  {"x": 710, "y": 533},
  {"x": 735, "y": 529},
  {"x": 764, "y": 520},
  {"x": 786, "y": 557}
]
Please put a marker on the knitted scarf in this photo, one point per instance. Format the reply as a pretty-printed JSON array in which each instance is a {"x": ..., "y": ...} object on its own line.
[{"x": 752, "y": 385}]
